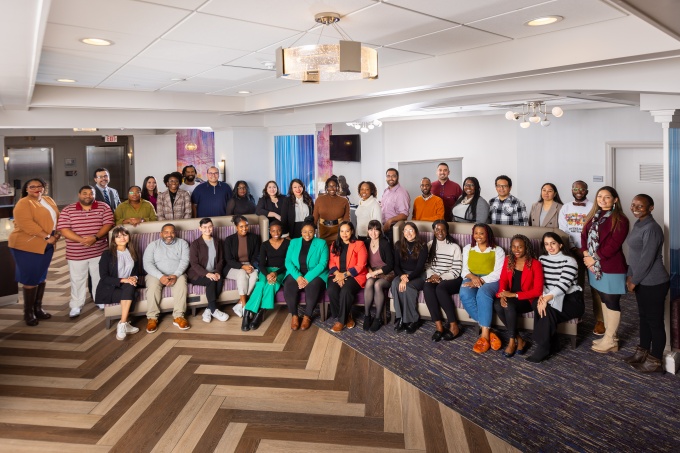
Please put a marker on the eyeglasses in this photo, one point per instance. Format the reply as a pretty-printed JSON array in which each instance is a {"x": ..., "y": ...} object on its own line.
[
  {"x": 471, "y": 185},
  {"x": 213, "y": 173},
  {"x": 134, "y": 193},
  {"x": 578, "y": 189},
  {"x": 501, "y": 186},
  {"x": 35, "y": 187}
]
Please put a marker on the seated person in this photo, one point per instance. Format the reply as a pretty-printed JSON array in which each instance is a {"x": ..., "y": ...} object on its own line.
[
  {"x": 427, "y": 207},
  {"x": 118, "y": 274},
  {"x": 519, "y": 288},
  {"x": 241, "y": 202},
  {"x": 410, "y": 255},
  {"x": 306, "y": 270},
  {"x": 165, "y": 261},
  {"x": 442, "y": 280},
  {"x": 482, "y": 264},
  {"x": 380, "y": 274},
  {"x": 134, "y": 210},
  {"x": 347, "y": 272},
  {"x": 174, "y": 203},
  {"x": 205, "y": 268},
  {"x": 241, "y": 255},
  {"x": 273, "y": 267},
  {"x": 562, "y": 298}
]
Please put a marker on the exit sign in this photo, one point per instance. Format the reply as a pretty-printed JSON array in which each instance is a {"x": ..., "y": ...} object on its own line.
[{"x": 111, "y": 138}]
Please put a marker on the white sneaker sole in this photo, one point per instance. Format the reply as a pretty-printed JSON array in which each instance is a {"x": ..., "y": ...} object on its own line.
[
  {"x": 180, "y": 328},
  {"x": 118, "y": 337}
]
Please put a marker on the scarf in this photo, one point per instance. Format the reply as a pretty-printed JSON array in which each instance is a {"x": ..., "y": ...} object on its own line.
[{"x": 594, "y": 240}]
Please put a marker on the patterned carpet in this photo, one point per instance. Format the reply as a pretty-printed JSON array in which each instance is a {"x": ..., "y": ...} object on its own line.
[{"x": 577, "y": 401}]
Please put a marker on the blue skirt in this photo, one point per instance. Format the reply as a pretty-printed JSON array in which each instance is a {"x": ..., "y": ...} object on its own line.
[
  {"x": 609, "y": 283},
  {"x": 31, "y": 268}
]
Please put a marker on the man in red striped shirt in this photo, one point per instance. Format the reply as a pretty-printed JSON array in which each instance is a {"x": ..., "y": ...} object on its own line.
[{"x": 85, "y": 226}]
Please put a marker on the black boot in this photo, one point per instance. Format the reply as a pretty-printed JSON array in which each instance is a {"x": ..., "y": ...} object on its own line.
[
  {"x": 639, "y": 357},
  {"x": 29, "y": 306},
  {"x": 247, "y": 317},
  {"x": 37, "y": 307},
  {"x": 257, "y": 319},
  {"x": 368, "y": 320}
]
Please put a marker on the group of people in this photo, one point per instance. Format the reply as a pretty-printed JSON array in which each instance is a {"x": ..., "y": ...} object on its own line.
[{"x": 344, "y": 259}]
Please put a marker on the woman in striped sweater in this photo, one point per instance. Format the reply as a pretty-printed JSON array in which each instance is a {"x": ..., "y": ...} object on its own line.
[
  {"x": 442, "y": 280},
  {"x": 562, "y": 298}
]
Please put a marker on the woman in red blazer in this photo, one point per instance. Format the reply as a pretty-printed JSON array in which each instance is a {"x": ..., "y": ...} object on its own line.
[
  {"x": 346, "y": 275},
  {"x": 519, "y": 288}
]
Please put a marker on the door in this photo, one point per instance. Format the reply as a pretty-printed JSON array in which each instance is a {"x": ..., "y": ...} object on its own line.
[
  {"x": 26, "y": 163},
  {"x": 113, "y": 159}
]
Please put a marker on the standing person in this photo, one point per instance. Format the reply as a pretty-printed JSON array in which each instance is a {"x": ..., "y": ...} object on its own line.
[
  {"x": 562, "y": 298},
  {"x": 270, "y": 203},
  {"x": 242, "y": 202},
  {"x": 273, "y": 266},
  {"x": 150, "y": 192},
  {"x": 482, "y": 265},
  {"x": 506, "y": 209},
  {"x": 32, "y": 245},
  {"x": 449, "y": 191},
  {"x": 174, "y": 203},
  {"x": 134, "y": 210},
  {"x": 410, "y": 255},
  {"x": 189, "y": 179},
  {"x": 85, "y": 226},
  {"x": 442, "y": 280},
  {"x": 427, "y": 207},
  {"x": 602, "y": 237},
  {"x": 395, "y": 204},
  {"x": 471, "y": 207},
  {"x": 380, "y": 274},
  {"x": 307, "y": 270},
  {"x": 520, "y": 286},
  {"x": 104, "y": 193},
  {"x": 546, "y": 211},
  {"x": 347, "y": 275},
  {"x": 165, "y": 261},
  {"x": 206, "y": 262},
  {"x": 368, "y": 209},
  {"x": 118, "y": 276},
  {"x": 648, "y": 279},
  {"x": 572, "y": 218},
  {"x": 329, "y": 210},
  {"x": 241, "y": 256},
  {"x": 209, "y": 199},
  {"x": 297, "y": 209}
]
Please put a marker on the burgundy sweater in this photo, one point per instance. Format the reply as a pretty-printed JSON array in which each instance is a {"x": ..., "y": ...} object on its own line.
[{"x": 612, "y": 260}]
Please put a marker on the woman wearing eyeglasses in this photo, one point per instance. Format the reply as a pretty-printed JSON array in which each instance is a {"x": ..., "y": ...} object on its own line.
[
  {"x": 134, "y": 210},
  {"x": 32, "y": 245},
  {"x": 471, "y": 207}
]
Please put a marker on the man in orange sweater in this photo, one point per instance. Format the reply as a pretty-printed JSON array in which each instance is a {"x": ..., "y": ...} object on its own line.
[{"x": 427, "y": 206}]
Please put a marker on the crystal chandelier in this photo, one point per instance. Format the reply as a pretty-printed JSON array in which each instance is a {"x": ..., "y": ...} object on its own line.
[
  {"x": 347, "y": 60},
  {"x": 365, "y": 126},
  {"x": 534, "y": 110}
]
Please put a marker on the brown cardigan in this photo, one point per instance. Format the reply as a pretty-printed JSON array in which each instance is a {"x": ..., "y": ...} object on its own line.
[
  {"x": 198, "y": 258},
  {"x": 32, "y": 223}
]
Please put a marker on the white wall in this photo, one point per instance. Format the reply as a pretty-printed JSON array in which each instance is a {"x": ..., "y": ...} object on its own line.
[
  {"x": 251, "y": 162},
  {"x": 155, "y": 155}
]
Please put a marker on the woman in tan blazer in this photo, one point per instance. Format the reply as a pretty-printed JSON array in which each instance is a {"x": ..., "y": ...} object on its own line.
[
  {"x": 32, "y": 245},
  {"x": 545, "y": 212}
]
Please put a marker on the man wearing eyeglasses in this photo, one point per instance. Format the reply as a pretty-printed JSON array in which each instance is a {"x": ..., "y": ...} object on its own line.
[
  {"x": 210, "y": 198},
  {"x": 449, "y": 191},
  {"x": 506, "y": 209},
  {"x": 85, "y": 226},
  {"x": 104, "y": 193}
]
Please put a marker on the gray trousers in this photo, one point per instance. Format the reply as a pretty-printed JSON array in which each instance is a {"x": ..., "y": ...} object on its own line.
[{"x": 406, "y": 303}]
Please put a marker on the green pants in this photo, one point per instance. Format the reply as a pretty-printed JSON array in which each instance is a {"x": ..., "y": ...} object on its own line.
[{"x": 263, "y": 294}]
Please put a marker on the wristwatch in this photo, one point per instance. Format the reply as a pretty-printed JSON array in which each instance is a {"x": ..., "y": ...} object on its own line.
[{"x": 47, "y": 238}]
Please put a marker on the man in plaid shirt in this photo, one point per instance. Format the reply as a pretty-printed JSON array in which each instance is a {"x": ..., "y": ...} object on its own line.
[{"x": 506, "y": 209}]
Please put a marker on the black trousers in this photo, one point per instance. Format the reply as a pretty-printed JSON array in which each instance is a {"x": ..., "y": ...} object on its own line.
[
  {"x": 546, "y": 326},
  {"x": 651, "y": 302},
  {"x": 438, "y": 297},
  {"x": 342, "y": 298},
  {"x": 210, "y": 290},
  {"x": 312, "y": 292},
  {"x": 509, "y": 314}
]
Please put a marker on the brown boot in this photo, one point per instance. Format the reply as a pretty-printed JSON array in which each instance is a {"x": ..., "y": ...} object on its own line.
[
  {"x": 29, "y": 306},
  {"x": 639, "y": 356},
  {"x": 37, "y": 307},
  {"x": 650, "y": 365},
  {"x": 295, "y": 323},
  {"x": 306, "y": 323}
]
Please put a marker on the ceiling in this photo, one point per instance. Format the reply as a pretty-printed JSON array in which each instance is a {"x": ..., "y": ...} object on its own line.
[{"x": 197, "y": 55}]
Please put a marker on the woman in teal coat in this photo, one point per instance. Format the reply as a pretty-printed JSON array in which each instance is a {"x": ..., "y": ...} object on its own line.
[{"x": 307, "y": 270}]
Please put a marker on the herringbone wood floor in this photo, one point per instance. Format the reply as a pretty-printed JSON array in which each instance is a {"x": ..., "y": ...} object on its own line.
[{"x": 70, "y": 386}]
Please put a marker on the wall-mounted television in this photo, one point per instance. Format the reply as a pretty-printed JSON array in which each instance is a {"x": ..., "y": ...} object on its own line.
[{"x": 345, "y": 148}]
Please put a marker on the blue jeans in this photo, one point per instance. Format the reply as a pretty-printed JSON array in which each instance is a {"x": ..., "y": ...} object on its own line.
[{"x": 478, "y": 302}]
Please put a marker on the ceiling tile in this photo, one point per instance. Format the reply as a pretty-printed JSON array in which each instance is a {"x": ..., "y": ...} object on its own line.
[
  {"x": 183, "y": 4},
  {"x": 188, "y": 52},
  {"x": 466, "y": 11},
  {"x": 179, "y": 69},
  {"x": 258, "y": 87},
  {"x": 232, "y": 76},
  {"x": 67, "y": 37},
  {"x": 453, "y": 40},
  {"x": 390, "y": 56}
]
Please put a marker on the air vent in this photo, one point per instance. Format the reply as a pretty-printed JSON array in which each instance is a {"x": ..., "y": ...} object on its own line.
[{"x": 651, "y": 173}]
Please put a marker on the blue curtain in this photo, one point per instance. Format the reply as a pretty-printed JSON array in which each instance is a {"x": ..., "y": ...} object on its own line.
[{"x": 294, "y": 158}]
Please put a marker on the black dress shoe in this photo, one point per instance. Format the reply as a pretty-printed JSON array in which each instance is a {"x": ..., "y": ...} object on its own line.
[
  {"x": 368, "y": 320},
  {"x": 257, "y": 319},
  {"x": 447, "y": 335},
  {"x": 247, "y": 317},
  {"x": 399, "y": 326},
  {"x": 412, "y": 327},
  {"x": 377, "y": 324},
  {"x": 437, "y": 336}
]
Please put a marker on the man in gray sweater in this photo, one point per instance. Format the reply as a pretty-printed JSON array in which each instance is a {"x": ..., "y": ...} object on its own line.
[{"x": 165, "y": 261}]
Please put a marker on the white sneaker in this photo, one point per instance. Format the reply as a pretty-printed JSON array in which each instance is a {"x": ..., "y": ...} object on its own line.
[
  {"x": 238, "y": 310},
  {"x": 129, "y": 328},
  {"x": 75, "y": 312},
  {"x": 207, "y": 316},
  {"x": 100, "y": 306},
  {"x": 220, "y": 315},
  {"x": 121, "y": 331}
]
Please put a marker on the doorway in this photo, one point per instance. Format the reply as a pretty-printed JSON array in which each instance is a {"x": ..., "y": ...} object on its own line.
[{"x": 26, "y": 163}]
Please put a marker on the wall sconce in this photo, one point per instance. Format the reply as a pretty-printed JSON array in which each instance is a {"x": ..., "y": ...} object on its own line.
[
  {"x": 6, "y": 159},
  {"x": 130, "y": 156},
  {"x": 222, "y": 164}
]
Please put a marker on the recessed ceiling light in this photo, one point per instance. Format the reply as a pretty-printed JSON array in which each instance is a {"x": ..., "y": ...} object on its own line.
[
  {"x": 547, "y": 20},
  {"x": 66, "y": 80},
  {"x": 244, "y": 92},
  {"x": 96, "y": 41}
]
